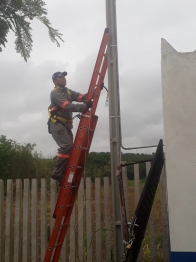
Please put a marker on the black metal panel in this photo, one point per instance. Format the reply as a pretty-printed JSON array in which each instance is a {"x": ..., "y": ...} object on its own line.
[{"x": 145, "y": 203}]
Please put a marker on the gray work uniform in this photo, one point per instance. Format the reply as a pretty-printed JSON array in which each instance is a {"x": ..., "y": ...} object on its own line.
[{"x": 61, "y": 105}]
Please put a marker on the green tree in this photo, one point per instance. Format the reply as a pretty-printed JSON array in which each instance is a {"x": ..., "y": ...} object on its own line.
[
  {"x": 6, "y": 156},
  {"x": 22, "y": 161},
  {"x": 15, "y": 15},
  {"x": 15, "y": 159},
  {"x": 98, "y": 165}
]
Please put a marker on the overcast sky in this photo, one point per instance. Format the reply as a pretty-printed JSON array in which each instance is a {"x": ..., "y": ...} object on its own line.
[{"x": 25, "y": 87}]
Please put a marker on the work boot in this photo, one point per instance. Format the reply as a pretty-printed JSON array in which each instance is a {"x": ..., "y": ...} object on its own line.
[{"x": 59, "y": 179}]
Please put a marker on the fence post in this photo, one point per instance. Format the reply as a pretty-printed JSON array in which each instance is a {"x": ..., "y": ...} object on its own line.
[
  {"x": 9, "y": 223},
  {"x": 53, "y": 189},
  {"x": 164, "y": 215},
  {"x": 73, "y": 234},
  {"x": 1, "y": 220},
  {"x": 43, "y": 217},
  {"x": 151, "y": 226},
  {"x": 34, "y": 221},
  {"x": 26, "y": 208},
  {"x": 125, "y": 188},
  {"x": 81, "y": 221},
  {"x": 89, "y": 219},
  {"x": 137, "y": 196},
  {"x": 18, "y": 222},
  {"x": 107, "y": 219},
  {"x": 98, "y": 219}
]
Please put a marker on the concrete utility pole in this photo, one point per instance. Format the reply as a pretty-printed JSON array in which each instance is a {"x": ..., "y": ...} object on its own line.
[{"x": 114, "y": 121}]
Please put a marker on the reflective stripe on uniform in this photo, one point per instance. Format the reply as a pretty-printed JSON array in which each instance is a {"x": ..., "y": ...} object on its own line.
[
  {"x": 80, "y": 96},
  {"x": 62, "y": 155},
  {"x": 52, "y": 109},
  {"x": 64, "y": 104}
]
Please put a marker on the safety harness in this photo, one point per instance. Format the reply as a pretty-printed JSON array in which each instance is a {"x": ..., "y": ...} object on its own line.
[
  {"x": 53, "y": 114},
  {"x": 55, "y": 118}
]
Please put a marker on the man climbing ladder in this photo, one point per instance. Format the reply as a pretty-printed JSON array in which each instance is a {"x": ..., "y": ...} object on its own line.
[
  {"x": 74, "y": 169},
  {"x": 60, "y": 120}
]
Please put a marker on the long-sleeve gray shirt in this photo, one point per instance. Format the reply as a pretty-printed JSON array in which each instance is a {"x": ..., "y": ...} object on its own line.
[{"x": 61, "y": 102}]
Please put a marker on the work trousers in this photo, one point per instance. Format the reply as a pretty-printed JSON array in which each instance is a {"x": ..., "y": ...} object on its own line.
[{"x": 64, "y": 139}]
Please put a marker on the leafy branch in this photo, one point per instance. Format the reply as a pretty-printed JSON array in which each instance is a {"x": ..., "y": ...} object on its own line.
[{"x": 16, "y": 15}]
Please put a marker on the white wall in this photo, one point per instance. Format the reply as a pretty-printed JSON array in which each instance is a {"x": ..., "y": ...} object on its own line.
[{"x": 179, "y": 113}]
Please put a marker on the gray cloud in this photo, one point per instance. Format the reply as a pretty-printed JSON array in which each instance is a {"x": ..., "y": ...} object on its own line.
[{"x": 25, "y": 87}]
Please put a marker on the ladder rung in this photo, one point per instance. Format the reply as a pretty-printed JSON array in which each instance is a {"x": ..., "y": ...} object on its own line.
[
  {"x": 63, "y": 225},
  {"x": 101, "y": 75},
  {"x": 85, "y": 115},
  {"x": 95, "y": 94},
  {"x": 74, "y": 186},
  {"x": 79, "y": 167},
  {"x": 90, "y": 130},
  {"x": 85, "y": 148},
  {"x": 58, "y": 244},
  {"x": 69, "y": 205}
]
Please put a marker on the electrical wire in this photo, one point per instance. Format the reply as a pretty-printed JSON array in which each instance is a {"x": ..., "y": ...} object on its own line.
[{"x": 138, "y": 162}]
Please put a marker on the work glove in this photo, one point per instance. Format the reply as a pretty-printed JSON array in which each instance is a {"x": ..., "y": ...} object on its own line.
[
  {"x": 84, "y": 97},
  {"x": 89, "y": 104}
]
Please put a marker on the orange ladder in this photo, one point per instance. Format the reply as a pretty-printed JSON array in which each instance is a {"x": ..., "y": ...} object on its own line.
[{"x": 78, "y": 157}]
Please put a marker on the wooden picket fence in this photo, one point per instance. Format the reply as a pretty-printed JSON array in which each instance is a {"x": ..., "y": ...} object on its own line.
[{"x": 26, "y": 220}]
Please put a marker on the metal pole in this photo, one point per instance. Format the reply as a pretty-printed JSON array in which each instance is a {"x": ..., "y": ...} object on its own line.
[{"x": 114, "y": 123}]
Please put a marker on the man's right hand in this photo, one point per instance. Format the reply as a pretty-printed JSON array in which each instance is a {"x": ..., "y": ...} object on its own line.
[{"x": 89, "y": 104}]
